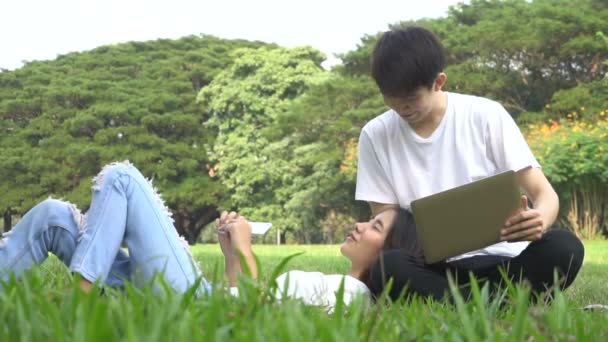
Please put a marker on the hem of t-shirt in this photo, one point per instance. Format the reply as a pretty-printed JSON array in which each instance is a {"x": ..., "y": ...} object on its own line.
[
  {"x": 509, "y": 253},
  {"x": 523, "y": 166},
  {"x": 374, "y": 198}
]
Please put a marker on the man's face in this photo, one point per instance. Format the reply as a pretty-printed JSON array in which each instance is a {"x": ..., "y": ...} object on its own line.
[
  {"x": 414, "y": 107},
  {"x": 419, "y": 105}
]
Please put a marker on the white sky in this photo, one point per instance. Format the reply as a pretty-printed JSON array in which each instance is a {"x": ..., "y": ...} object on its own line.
[{"x": 42, "y": 29}]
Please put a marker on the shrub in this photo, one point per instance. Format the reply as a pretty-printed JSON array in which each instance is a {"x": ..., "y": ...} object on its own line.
[{"x": 574, "y": 156}]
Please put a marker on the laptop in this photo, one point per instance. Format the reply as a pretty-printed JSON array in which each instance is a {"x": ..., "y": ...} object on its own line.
[{"x": 465, "y": 218}]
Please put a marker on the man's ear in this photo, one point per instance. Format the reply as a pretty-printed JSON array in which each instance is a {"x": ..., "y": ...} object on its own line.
[{"x": 440, "y": 81}]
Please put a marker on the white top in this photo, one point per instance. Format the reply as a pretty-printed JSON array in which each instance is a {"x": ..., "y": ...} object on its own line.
[
  {"x": 475, "y": 139},
  {"x": 316, "y": 288}
]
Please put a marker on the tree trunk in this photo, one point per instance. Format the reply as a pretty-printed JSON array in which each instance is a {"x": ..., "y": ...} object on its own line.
[
  {"x": 190, "y": 225},
  {"x": 8, "y": 219}
]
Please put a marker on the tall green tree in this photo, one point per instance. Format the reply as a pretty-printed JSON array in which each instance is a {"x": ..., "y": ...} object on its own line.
[
  {"x": 588, "y": 100},
  {"x": 62, "y": 120},
  {"x": 515, "y": 51},
  {"x": 321, "y": 129},
  {"x": 246, "y": 101}
]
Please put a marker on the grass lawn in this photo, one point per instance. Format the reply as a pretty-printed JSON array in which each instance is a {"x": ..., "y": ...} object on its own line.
[{"x": 44, "y": 306}]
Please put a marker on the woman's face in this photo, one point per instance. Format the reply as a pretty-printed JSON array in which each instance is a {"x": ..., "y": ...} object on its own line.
[{"x": 365, "y": 242}]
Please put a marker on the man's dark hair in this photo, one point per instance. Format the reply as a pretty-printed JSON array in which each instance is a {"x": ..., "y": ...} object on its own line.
[{"x": 406, "y": 59}]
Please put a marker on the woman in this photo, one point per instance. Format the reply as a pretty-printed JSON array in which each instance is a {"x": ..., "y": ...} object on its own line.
[{"x": 126, "y": 210}]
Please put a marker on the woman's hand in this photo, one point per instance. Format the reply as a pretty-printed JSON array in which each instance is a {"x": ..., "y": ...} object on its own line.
[
  {"x": 222, "y": 234},
  {"x": 234, "y": 235},
  {"x": 240, "y": 235}
]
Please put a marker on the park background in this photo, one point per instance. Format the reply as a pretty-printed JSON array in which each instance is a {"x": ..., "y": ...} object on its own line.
[
  {"x": 222, "y": 124},
  {"x": 269, "y": 130}
]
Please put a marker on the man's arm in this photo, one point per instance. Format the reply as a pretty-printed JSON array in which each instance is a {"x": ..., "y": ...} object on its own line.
[
  {"x": 380, "y": 207},
  {"x": 373, "y": 184},
  {"x": 542, "y": 194},
  {"x": 530, "y": 224}
]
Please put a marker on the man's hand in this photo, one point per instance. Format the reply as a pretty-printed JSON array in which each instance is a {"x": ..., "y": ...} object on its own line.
[{"x": 525, "y": 225}]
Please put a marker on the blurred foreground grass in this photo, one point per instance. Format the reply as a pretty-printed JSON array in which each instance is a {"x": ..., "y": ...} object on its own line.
[{"x": 44, "y": 306}]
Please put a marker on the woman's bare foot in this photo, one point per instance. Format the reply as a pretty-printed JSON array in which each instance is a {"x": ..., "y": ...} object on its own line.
[{"x": 85, "y": 285}]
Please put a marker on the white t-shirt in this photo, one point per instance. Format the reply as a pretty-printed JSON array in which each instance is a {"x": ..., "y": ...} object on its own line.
[
  {"x": 475, "y": 139},
  {"x": 316, "y": 288}
]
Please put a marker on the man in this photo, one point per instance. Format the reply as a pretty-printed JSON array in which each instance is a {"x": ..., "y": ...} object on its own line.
[{"x": 431, "y": 140}]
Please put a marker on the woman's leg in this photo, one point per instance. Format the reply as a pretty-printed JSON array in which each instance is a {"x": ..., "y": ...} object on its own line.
[
  {"x": 125, "y": 208},
  {"x": 50, "y": 226}
]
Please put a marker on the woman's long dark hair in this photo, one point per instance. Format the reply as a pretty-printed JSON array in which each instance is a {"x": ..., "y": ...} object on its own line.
[{"x": 402, "y": 236}]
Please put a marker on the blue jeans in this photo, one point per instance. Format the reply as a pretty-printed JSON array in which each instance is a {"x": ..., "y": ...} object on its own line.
[{"x": 125, "y": 210}]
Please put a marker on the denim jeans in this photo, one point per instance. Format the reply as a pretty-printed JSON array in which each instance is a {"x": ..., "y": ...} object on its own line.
[{"x": 125, "y": 211}]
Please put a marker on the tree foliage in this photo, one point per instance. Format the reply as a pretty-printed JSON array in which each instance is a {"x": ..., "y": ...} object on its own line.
[
  {"x": 229, "y": 124},
  {"x": 321, "y": 129},
  {"x": 516, "y": 51},
  {"x": 246, "y": 101},
  {"x": 62, "y": 120}
]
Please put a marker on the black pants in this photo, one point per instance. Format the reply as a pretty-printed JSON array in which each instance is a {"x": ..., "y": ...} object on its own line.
[{"x": 558, "y": 250}]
